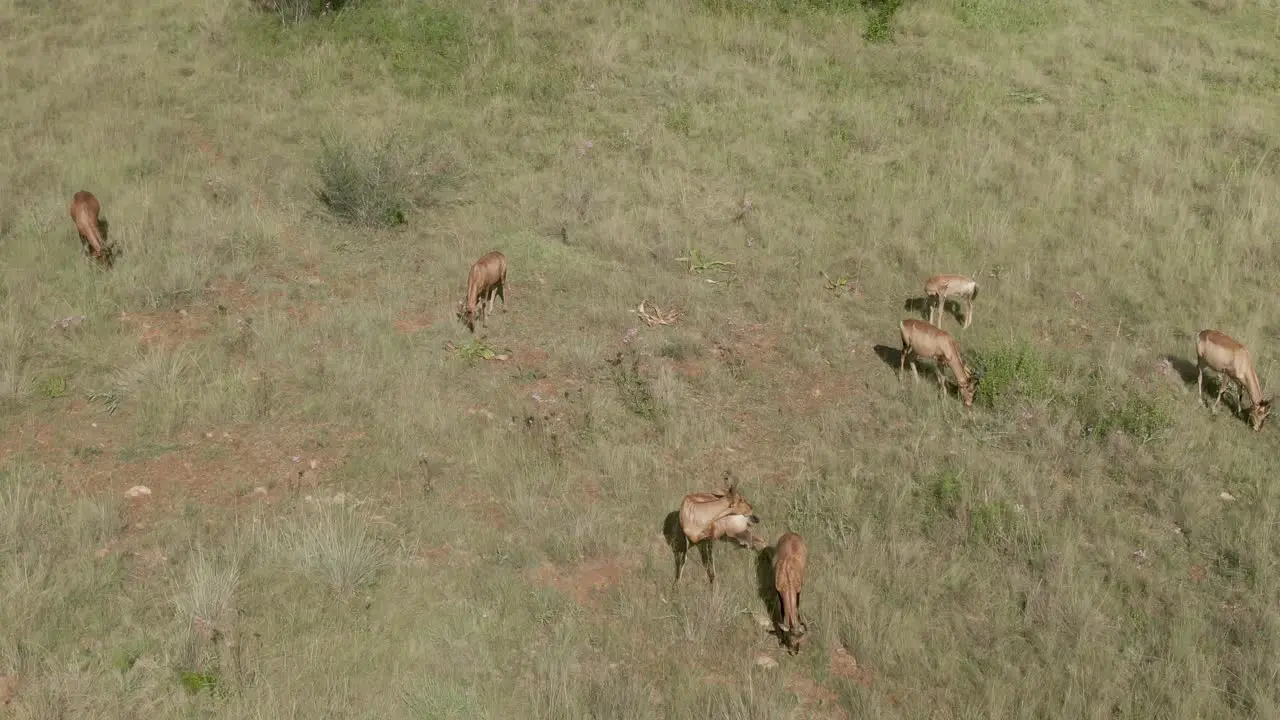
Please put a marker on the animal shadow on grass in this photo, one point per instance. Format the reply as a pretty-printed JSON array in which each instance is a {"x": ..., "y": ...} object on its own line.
[
  {"x": 892, "y": 357},
  {"x": 921, "y": 305},
  {"x": 1189, "y": 374},
  {"x": 675, "y": 538},
  {"x": 1186, "y": 370},
  {"x": 768, "y": 592}
]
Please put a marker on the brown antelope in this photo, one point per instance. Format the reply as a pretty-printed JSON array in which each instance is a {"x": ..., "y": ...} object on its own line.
[
  {"x": 84, "y": 211},
  {"x": 789, "y": 560},
  {"x": 1220, "y": 353},
  {"x": 919, "y": 338},
  {"x": 484, "y": 282},
  {"x": 707, "y": 517},
  {"x": 940, "y": 288}
]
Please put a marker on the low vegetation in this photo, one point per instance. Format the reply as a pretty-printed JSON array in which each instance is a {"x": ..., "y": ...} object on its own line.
[{"x": 256, "y": 467}]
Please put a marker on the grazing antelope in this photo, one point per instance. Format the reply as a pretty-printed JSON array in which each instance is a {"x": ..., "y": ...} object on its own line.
[
  {"x": 940, "y": 288},
  {"x": 789, "y": 560},
  {"x": 919, "y": 338},
  {"x": 707, "y": 517},
  {"x": 1218, "y": 352},
  {"x": 84, "y": 211},
  {"x": 484, "y": 282}
]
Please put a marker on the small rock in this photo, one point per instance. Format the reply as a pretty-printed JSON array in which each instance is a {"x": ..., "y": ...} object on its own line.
[
  {"x": 1227, "y": 496},
  {"x": 766, "y": 662},
  {"x": 8, "y": 688},
  {"x": 67, "y": 323},
  {"x": 137, "y": 491},
  {"x": 762, "y": 621},
  {"x": 259, "y": 490},
  {"x": 208, "y": 435}
]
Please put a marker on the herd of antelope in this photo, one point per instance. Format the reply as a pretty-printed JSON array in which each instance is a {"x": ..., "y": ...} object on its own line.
[{"x": 707, "y": 517}]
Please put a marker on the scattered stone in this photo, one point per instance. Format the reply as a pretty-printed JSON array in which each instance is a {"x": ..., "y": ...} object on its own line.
[
  {"x": 137, "y": 491},
  {"x": 67, "y": 323},
  {"x": 1227, "y": 496},
  {"x": 766, "y": 662}
]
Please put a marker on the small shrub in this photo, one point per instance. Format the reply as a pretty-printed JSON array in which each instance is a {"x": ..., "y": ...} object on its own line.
[
  {"x": 680, "y": 348},
  {"x": 946, "y": 493},
  {"x": 1010, "y": 373},
  {"x": 880, "y": 19},
  {"x": 478, "y": 349},
  {"x": 1138, "y": 414},
  {"x": 54, "y": 387},
  {"x": 363, "y": 186},
  {"x": 635, "y": 392}
]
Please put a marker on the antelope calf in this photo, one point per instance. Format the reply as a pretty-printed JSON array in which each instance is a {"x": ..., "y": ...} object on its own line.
[
  {"x": 1220, "y": 353},
  {"x": 919, "y": 338},
  {"x": 707, "y": 517},
  {"x": 484, "y": 282},
  {"x": 84, "y": 211},
  {"x": 789, "y": 560},
  {"x": 940, "y": 288}
]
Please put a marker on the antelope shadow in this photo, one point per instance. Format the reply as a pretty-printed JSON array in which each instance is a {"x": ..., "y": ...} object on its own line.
[
  {"x": 892, "y": 357},
  {"x": 1189, "y": 373},
  {"x": 921, "y": 305},
  {"x": 768, "y": 592}
]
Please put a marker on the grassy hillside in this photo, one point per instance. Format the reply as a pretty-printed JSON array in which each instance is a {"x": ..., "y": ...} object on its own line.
[{"x": 358, "y": 509}]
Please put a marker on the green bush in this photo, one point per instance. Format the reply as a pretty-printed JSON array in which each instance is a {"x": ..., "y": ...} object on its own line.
[
  {"x": 1133, "y": 411},
  {"x": 880, "y": 19},
  {"x": 1011, "y": 373}
]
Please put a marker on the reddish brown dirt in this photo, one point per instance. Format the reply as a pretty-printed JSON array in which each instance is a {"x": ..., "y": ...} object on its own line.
[
  {"x": 816, "y": 701},
  {"x": 408, "y": 323},
  {"x": 585, "y": 583},
  {"x": 843, "y": 664},
  {"x": 167, "y": 329}
]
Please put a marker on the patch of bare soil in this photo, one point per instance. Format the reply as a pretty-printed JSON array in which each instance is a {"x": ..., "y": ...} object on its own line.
[
  {"x": 843, "y": 664},
  {"x": 585, "y": 583},
  {"x": 816, "y": 701},
  {"x": 408, "y": 323}
]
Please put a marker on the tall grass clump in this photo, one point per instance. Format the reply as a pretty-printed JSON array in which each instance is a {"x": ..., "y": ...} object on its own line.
[
  {"x": 292, "y": 12},
  {"x": 335, "y": 547},
  {"x": 364, "y": 186}
]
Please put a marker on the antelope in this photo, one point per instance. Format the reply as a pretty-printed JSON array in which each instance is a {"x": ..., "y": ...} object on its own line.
[
  {"x": 939, "y": 288},
  {"x": 1220, "y": 353},
  {"x": 919, "y": 338},
  {"x": 84, "y": 211},
  {"x": 789, "y": 562},
  {"x": 484, "y": 282},
  {"x": 707, "y": 517}
]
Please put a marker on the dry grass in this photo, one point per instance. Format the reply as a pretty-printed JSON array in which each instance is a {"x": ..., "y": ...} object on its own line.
[{"x": 1107, "y": 172}]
